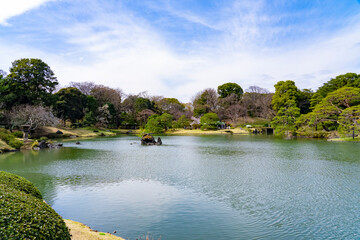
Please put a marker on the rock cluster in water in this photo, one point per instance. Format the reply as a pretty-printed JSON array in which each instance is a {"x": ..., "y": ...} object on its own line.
[
  {"x": 44, "y": 144},
  {"x": 148, "y": 139}
]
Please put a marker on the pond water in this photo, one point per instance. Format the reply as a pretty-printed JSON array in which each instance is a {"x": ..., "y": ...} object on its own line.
[{"x": 202, "y": 187}]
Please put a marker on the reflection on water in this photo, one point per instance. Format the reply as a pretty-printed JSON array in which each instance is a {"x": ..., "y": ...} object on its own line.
[{"x": 214, "y": 187}]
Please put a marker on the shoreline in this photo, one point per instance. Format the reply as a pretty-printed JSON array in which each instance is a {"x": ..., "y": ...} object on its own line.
[{"x": 80, "y": 231}]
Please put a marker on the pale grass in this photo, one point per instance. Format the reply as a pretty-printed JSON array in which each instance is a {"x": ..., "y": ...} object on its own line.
[
  {"x": 180, "y": 131},
  {"x": 80, "y": 231}
]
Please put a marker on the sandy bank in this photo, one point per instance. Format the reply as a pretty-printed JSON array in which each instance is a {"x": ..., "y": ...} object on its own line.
[{"x": 80, "y": 231}]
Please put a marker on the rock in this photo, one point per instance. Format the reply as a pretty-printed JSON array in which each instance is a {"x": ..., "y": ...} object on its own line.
[
  {"x": 59, "y": 132},
  {"x": 36, "y": 148},
  {"x": 96, "y": 131},
  {"x": 73, "y": 136},
  {"x": 78, "y": 143},
  {"x": 148, "y": 139},
  {"x": 102, "y": 135},
  {"x": 42, "y": 145}
]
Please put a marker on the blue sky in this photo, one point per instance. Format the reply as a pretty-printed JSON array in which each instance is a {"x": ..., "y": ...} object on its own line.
[{"x": 177, "y": 48}]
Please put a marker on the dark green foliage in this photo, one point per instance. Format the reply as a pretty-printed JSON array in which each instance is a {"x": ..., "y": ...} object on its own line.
[
  {"x": 209, "y": 121},
  {"x": 143, "y": 103},
  {"x": 19, "y": 183},
  {"x": 153, "y": 125},
  {"x": 285, "y": 91},
  {"x": 229, "y": 88},
  {"x": 24, "y": 216},
  {"x": 305, "y": 100},
  {"x": 285, "y": 119},
  {"x": 183, "y": 122},
  {"x": 18, "y": 134},
  {"x": 348, "y": 79},
  {"x": 70, "y": 104},
  {"x": 158, "y": 124},
  {"x": 30, "y": 81},
  {"x": 345, "y": 80},
  {"x": 10, "y": 139}
]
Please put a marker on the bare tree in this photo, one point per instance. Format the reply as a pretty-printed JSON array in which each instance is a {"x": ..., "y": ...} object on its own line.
[
  {"x": 205, "y": 101},
  {"x": 105, "y": 95},
  {"x": 30, "y": 117},
  {"x": 258, "y": 102},
  {"x": 84, "y": 87}
]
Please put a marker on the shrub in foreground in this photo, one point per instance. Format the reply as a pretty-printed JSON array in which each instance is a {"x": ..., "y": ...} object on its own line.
[
  {"x": 24, "y": 216},
  {"x": 19, "y": 183}
]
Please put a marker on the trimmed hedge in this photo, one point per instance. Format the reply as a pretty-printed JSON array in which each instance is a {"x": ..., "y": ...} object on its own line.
[
  {"x": 24, "y": 216},
  {"x": 19, "y": 183}
]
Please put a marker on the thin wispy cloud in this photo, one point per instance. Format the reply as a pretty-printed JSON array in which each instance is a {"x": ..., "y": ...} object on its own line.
[{"x": 176, "y": 49}]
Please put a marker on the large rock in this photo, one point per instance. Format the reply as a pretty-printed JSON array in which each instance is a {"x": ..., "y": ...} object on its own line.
[
  {"x": 44, "y": 144},
  {"x": 148, "y": 139}
]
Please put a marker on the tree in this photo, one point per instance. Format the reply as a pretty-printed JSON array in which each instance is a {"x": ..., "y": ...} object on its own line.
[
  {"x": 106, "y": 95},
  {"x": 345, "y": 80},
  {"x": 205, "y": 101},
  {"x": 30, "y": 81},
  {"x": 326, "y": 113},
  {"x": 183, "y": 121},
  {"x": 166, "y": 120},
  {"x": 143, "y": 116},
  {"x": 70, "y": 104},
  {"x": 350, "y": 118},
  {"x": 171, "y": 105},
  {"x": 305, "y": 100},
  {"x": 153, "y": 125},
  {"x": 286, "y": 117},
  {"x": 284, "y": 92},
  {"x": 158, "y": 123},
  {"x": 84, "y": 87},
  {"x": 228, "y": 89},
  {"x": 257, "y": 102},
  {"x": 33, "y": 116},
  {"x": 143, "y": 103},
  {"x": 209, "y": 121}
]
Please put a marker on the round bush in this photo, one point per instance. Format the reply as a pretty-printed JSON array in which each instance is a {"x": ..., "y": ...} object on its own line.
[
  {"x": 24, "y": 216},
  {"x": 19, "y": 183}
]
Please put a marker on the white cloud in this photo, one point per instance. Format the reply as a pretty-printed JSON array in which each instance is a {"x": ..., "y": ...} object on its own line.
[
  {"x": 126, "y": 51},
  {"x": 13, "y": 8}
]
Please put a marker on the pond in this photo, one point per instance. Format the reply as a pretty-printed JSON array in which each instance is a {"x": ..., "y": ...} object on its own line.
[{"x": 202, "y": 187}]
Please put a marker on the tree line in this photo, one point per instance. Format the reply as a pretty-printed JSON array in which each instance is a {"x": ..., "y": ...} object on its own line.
[
  {"x": 29, "y": 95},
  {"x": 333, "y": 108}
]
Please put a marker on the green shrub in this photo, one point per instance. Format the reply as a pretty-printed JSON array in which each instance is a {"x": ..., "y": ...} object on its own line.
[
  {"x": 24, "y": 216},
  {"x": 43, "y": 139},
  {"x": 17, "y": 144},
  {"x": 18, "y": 134},
  {"x": 19, "y": 183},
  {"x": 208, "y": 127},
  {"x": 35, "y": 144},
  {"x": 10, "y": 139}
]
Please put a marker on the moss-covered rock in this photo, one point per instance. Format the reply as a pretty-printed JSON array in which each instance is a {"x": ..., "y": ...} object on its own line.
[
  {"x": 19, "y": 183},
  {"x": 24, "y": 216}
]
